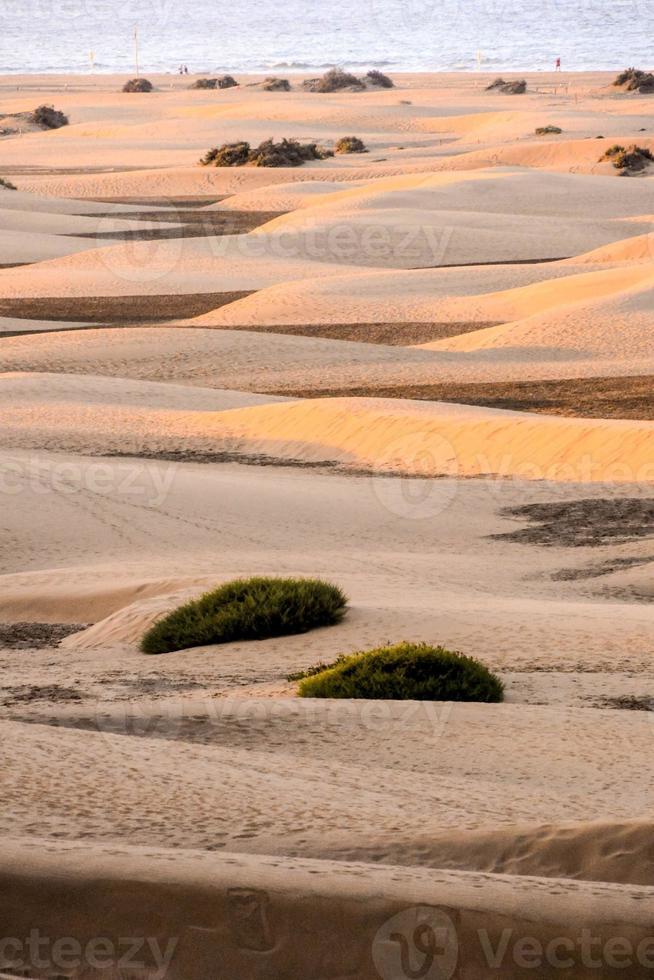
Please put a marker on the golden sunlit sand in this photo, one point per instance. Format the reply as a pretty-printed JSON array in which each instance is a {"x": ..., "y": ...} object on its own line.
[{"x": 207, "y": 373}]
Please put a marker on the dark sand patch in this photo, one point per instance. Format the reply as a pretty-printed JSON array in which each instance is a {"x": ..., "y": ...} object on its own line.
[
  {"x": 35, "y": 636},
  {"x": 111, "y": 310},
  {"x": 193, "y": 200},
  {"x": 604, "y": 398},
  {"x": 582, "y": 523},
  {"x": 600, "y": 569},
  {"x": 626, "y": 702},
  {"x": 234, "y": 455},
  {"x": 27, "y": 693},
  {"x": 222, "y": 456},
  {"x": 391, "y": 334},
  {"x": 193, "y": 224}
]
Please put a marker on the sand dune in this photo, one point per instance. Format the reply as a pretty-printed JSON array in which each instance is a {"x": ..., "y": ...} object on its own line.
[
  {"x": 630, "y": 250},
  {"x": 247, "y": 804},
  {"x": 144, "y": 463},
  {"x": 10, "y": 326},
  {"x": 37, "y": 236},
  {"x": 401, "y": 238},
  {"x": 169, "y": 527},
  {"x": 48, "y": 223},
  {"x": 578, "y": 156},
  {"x": 595, "y": 851},
  {"x": 280, "y": 196},
  {"x": 410, "y": 237},
  {"x": 26, "y": 202},
  {"x": 482, "y": 294},
  {"x": 493, "y": 190},
  {"x": 193, "y": 265},
  {"x": 432, "y": 439},
  {"x": 615, "y": 326},
  {"x": 21, "y": 247},
  {"x": 349, "y": 919},
  {"x": 267, "y": 362},
  {"x": 420, "y": 438},
  {"x": 59, "y": 390}
]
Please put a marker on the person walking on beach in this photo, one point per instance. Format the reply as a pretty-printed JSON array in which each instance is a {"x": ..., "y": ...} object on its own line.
[{"x": 557, "y": 65}]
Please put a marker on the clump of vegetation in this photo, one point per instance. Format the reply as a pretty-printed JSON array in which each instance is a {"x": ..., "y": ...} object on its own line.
[
  {"x": 378, "y": 79},
  {"x": 248, "y": 609},
  {"x": 48, "y": 117},
  {"x": 404, "y": 671},
  {"x": 287, "y": 153},
  {"x": 631, "y": 158},
  {"x": 546, "y": 130},
  {"x": 350, "y": 144},
  {"x": 516, "y": 87},
  {"x": 226, "y": 81},
  {"x": 276, "y": 85},
  {"x": 635, "y": 80},
  {"x": 205, "y": 83},
  {"x": 7, "y": 184},
  {"x": 334, "y": 80},
  {"x": 138, "y": 85},
  {"x": 227, "y": 155},
  {"x": 337, "y": 80}
]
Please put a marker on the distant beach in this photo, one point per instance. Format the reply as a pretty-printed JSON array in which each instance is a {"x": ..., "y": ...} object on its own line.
[{"x": 296, "y": 36}]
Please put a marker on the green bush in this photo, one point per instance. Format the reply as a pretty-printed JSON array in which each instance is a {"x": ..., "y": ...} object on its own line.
[
  {"x": 350, "y": 144},
  {"x": 226, "y": 81},
  {"x": 405, "y": 671},
  {"x": 48, "y": 117},
  {"x": 631, "y": 158},
  {"x": 287, "y": 153},
  {"x": 7, "y": 184},
  {"x": 546, "y": 130},
  {"x": 378, "y": 79},
  {"x": 138, "y": 85},
  {"x": 248, "y": 609}
]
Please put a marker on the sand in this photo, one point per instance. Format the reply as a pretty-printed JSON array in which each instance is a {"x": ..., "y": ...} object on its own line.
[{"x": 423, "y": 373}]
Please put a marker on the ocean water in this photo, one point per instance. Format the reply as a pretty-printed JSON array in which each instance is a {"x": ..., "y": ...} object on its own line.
[{"x": 308, "y": 35}]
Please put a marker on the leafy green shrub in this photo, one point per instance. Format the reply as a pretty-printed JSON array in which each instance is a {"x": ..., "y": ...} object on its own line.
[
  {"x": 226, "y": 81},
  {"x": 138, "y": 85},
  {"x": 248, "y": 609},
  {"x": 288, "y": 153},
  {"x": 48, "y": 117},
  {"x": 205, "y": 83},
  {"x": 633, "y": 79},
  {"x": 546, "y": 130},
  {"x": 7, "y": 184},
  {"x": 350, "y": 144},
  {"x": 378, "y": 78},
  {"x": 405, "y": 671},
  {"x": 517, "y": 87},
  {"x": 334, "y": 80},
  {"x": 276, "y": 85},
  {"x": 631, "y": 158}
]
